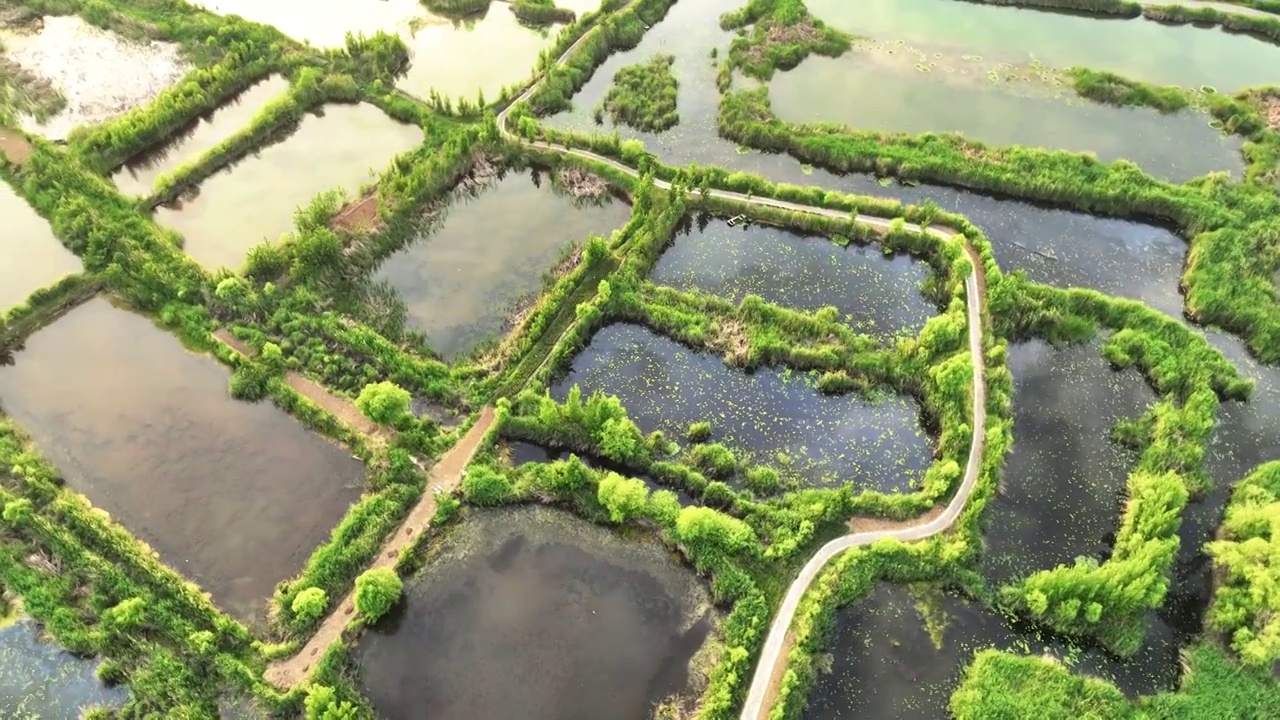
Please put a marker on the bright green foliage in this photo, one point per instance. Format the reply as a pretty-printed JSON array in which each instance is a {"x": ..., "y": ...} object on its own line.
[
  {"x": 763, "y": 480},
  {"x": 483, "y": 485},
  {"x": 377, "y": 591},
  {"x": 663, "y": 508},
  {"x": 707, "y": 533},
  {"x": 624, "y": 498},
  {"x": 125, "y": 615},
  {"x": 1247, "y": 604},
  {"x": 384, "y": 402},
  {"x": 698, "y": 432},
  {"x": 643, "y": 95},
  {"x": 714, "y": 459},
  {"x": 322, "y": 704},
  {"x": 17, "y": 512},
  {"x": 620, "y": 440},
  {"x": 783, "y": 34},
  {"x": 310, "y": 604},
  {"x": 999, "y": 686}
]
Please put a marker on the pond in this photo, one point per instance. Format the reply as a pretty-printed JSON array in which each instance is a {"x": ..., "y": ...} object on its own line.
[
  {"x": 38, "y": 679},
  {"x": 1140, "y": 49},
  {"x": 874, "y": 293},
  {"x": 323, "y": 23},
  {"x": 877, "y": 87},
  {"x": 30, "y": 256},
  {"x": 463, "y": 274},
  {"x": 343, "y": 147},
  {"x": 899, "y": 654},
  {"x": 535, "y": 614},
  {"x": 234, "y": 496},
  {"x": 774, "y": 417},
  {"x": 138, "y": 176},
  {"x": 1064, "y": 484}
]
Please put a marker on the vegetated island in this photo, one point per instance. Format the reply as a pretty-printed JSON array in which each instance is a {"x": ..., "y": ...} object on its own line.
[{"x": 643, "y": 96}]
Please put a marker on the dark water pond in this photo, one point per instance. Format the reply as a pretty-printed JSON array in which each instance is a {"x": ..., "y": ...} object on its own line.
[
  {"x": 775, "y": 416},
  {"x": 234, "y": 496},
  {"x": 532, "y": 613},
  {"x": 30, "y": 256},
  {"x": 38, "y": 679},
  {"x": 872, "y": 292},
  {"x": 138, "y": 176},
  {"x": 460, "y": 277}
]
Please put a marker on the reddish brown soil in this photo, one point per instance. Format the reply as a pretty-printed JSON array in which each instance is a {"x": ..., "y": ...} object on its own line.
[{"x": 360, "y": 216}]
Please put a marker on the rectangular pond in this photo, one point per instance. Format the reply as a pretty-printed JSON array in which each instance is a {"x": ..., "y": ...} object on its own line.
[
  {"x": 460, "y": 276},
  {"x": 138, "y": 176},
  {"x": 1140, "y": 49},
  {"x": 881, "y": 86},
  {"x": 877, "y": 295},
  {"x": 775, "y": 416},
  {"x": 30, "y": 256},
  {"x": 236, "y": 209},
  {"x": 233, "y": 495},
  {"x": 580, "y": 622}
]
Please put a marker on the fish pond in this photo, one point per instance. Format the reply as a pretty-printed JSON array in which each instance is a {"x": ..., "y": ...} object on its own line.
[
  {"x": 234, "y": 496},
  {"x": 342, "y": 146},
  {"x": 874, "y": 293},
  {"x": 30, "y": 256},
  {"x": 1139, "y": 49},
  {"x": 468, "y": 268},
  {"x": 322, "y": 23},
  {"x": 138, "y": 175},
  {"x": 38, "y": 679},
  {"x": 773, "y": 417},
  {"x": 571, "y": 621}
]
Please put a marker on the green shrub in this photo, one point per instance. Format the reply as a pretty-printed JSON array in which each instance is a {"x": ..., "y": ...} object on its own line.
[
  {"x": 763, "y": 480},
  {"x": 624, "y": 498},
  {"x": 377, "y": 591},
  {"x": 715, "y": 460},
  {"x": 384, "y": 402},
  {"x": 485, "y": 486},
  {"x": 698, "y": 432},
  {"x": 309, "y": 605}
]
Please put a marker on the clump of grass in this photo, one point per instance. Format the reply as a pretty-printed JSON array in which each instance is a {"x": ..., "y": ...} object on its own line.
[
  {"x": 24, "y": 93},
  {"x": 643, "y": 96}
]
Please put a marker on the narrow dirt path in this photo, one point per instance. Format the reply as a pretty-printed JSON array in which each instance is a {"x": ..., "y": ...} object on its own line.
[
  {"x": 771, "y": 665},
  {"x": 1229, "y": 8},
  {"x": 447, "y": 475}
]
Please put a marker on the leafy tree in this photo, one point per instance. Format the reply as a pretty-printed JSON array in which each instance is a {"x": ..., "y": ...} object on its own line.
[
  {"x": 620, "y": 440},
  {"x": 624, "y": 498},
  {"x": 706, "y": 532},
  {"x": 384, "y": 402},
  {"x": 309, "y": 604},
  {"x": 377, "y": 591}
]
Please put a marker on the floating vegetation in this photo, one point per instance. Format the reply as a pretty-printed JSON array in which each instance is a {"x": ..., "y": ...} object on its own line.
[
  {"x": 743, "y": 150},
  {"x": 949, "y": 69},
  {"x": 921, "y": 67},
  {"x": 1216, "y": 124},
  {"x": 937, "y": 56},
  {"x": 884, "y": 181},
  {"x": 971, "y": 58},
  {"x": 806, "y": 169},
  {"x": 1208, "y": 90}
]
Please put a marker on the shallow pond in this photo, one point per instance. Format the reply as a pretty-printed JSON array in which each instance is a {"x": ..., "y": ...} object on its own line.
[
  {"x": 872, "y": 292},
  {"x": 30, "y": 256},
  {"x": 776, "y": 417},
  {"x": 323, "y": 23},
  {"x": 38, "y": 679},
  {"x": 1063, "y": 485},
  {"x": 461, "y": 276},
  {"x": 1177, "y": 147},
  {"x": 887, "y": 665},
  {"x": 233, "y": 495},
  {"x": 138, "y": 176},
  {"x": 532, "y": 613},
  {"x": 238, "y": 208},
  {"x": 1140, "y": 49}
]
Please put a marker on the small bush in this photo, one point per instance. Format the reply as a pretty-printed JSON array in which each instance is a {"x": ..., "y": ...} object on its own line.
[
  {"x": 384, "y": 402},
  {"x": 715, "y": 460},
  {"x": 698, "y": 432},
  {"x": 309, "y": 604},
  {"x": 377, "y": 591}
]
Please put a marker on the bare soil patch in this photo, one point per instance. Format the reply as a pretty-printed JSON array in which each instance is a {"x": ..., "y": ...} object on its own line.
[
  {"x": 779, "y": 670},
  {"x": 14, "y": 146},
  {"x": 580, "y": 184},
  {"x": 1271, "y": 111},
  {"x": 802, "y": 33},
  {"x": 359, "y": 216},
  {"x": 870, "y": 524},
  {"x": 446, "y": 475}
]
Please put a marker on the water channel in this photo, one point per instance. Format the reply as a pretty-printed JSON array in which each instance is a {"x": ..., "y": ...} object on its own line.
[{"x": 30, "y": 256}]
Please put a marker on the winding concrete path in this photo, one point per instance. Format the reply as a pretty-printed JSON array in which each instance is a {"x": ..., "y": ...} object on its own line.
[{"x": 763, "y": 682}]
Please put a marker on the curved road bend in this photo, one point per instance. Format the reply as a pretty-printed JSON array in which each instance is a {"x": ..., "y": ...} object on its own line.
[{"x": 772, "y": 654}]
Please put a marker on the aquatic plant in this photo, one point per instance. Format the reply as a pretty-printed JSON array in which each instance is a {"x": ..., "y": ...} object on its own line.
[{"x": 643, "y": 95}]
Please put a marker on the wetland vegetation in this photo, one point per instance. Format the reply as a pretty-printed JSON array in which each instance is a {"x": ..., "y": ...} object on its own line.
[{"x": 1033, "y": 358}]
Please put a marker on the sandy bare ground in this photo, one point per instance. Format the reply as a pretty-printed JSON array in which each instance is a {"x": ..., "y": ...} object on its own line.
[
  {"x": 101, "y": 75},
  {"x": 13, "y": 146},
  {"x": 447, "y": 475}
]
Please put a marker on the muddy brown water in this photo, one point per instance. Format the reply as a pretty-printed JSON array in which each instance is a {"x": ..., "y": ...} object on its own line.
[
  {"x": 460, "y": 276},
  {"x": 343, "y": 148},
  {"x": 138, "y": 176},
  {"x": 30, "y": 256},
  {"x": 531, "y": 613},
  {"x": 234, "y": 496}
]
